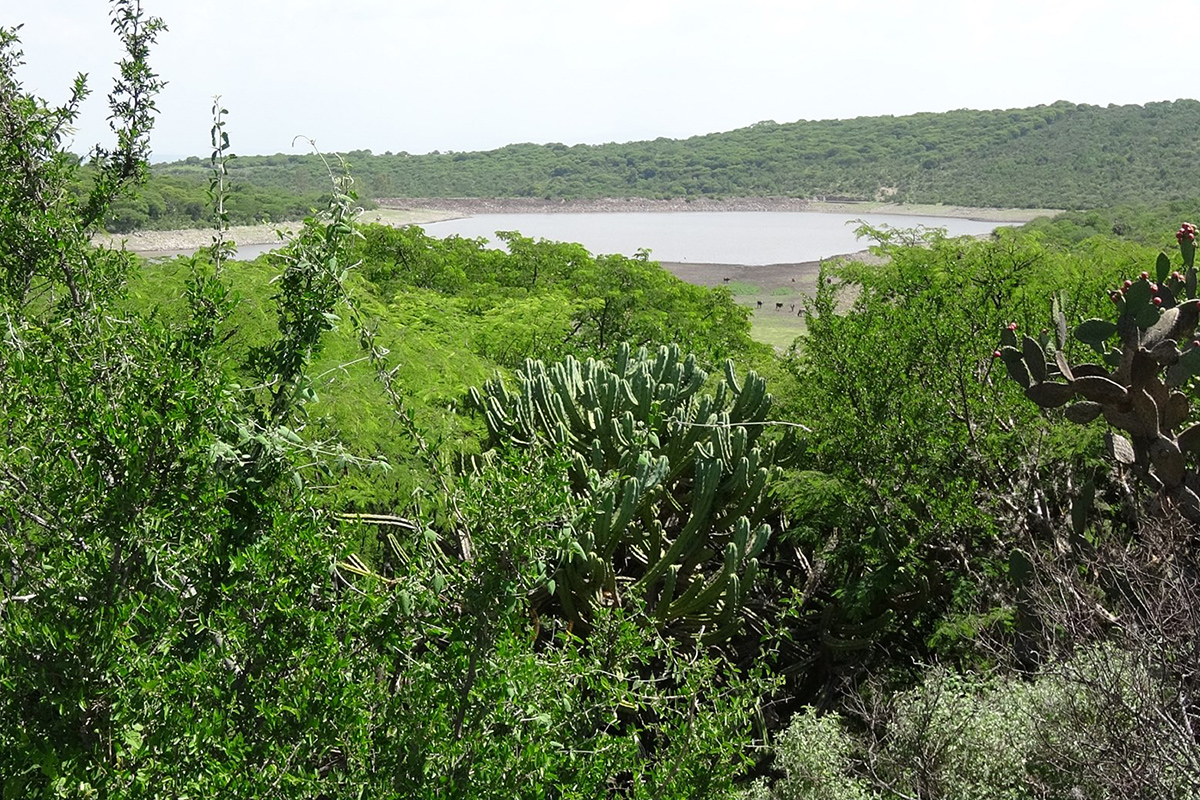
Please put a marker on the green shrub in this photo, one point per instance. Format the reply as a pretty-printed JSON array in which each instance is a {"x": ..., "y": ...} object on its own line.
[{"x": 1099, "y": 723}]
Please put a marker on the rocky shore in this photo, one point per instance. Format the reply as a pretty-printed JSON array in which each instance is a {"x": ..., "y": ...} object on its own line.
[{"x": 467, "y": 206}]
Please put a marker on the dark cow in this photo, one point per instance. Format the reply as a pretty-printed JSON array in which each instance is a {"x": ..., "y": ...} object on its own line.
[
  {"x": 760, "y": 303},
  {"x": 779, "y": 306}
]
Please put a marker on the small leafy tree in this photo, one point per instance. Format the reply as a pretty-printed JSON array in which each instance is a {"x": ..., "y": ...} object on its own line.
[{"x": 925, "y": 470}]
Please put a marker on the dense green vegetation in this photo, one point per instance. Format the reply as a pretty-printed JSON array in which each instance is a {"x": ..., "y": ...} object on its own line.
[
  {"x": 171, "y": 202},
  {"x": 380, "y": 515},
  {"x": 1058, "y": 156},
  {"x": 1145, "y": 223}
]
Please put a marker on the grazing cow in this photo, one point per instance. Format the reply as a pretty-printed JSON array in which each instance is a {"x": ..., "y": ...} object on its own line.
[
  {"x": 724, "y": 280},
  {"x": 760, "y": 303},
  {"x": 779, "y": 306}
]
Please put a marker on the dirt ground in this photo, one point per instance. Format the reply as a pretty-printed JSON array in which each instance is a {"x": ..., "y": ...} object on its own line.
[
  {"x": 774, "y": 293},
  {"x": 800, "y": 278}
]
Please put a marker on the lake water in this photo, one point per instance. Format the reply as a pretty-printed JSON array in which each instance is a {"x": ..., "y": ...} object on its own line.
[
  {"x": 718, "y": 237},
  {"x": 249, "y": 252}
]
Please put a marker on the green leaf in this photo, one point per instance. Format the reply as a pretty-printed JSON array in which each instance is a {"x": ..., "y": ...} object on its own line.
[
  {"x": 1099, "y": 390},
  {"x": 1147, "y": 316},
  {"x": 133, "y": 738},
  {"x": 1183, "y": 369},
  {"x": 1035, "y": 358},
  {"x": 1189, "y": 439},
  {"x": 289, "y": 434},
  {"x": 1050, "y": 395},
  {"x": 1162, "y": 267},
  {"x": 1095, "y": 331},
  {"x": 1060, "y": 319},
  {"x": 1014, "y": 362},
  {"x": 1138, "y": 296},
  {"x": 1083, "y": 412}
]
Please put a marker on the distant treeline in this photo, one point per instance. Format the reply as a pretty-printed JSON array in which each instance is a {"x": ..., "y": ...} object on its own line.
[
  {"x": 1143, "y": 223},
  {"x": 1057, "y": 156},
  {"x": 172, "y": 202}
]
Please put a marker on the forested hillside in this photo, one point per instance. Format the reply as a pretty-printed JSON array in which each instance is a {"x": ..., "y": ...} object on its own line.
[{"x": 1058, "y": 156}]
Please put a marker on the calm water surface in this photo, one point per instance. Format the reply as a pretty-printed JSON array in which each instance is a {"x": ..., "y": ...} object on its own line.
[{"x": 719, "y": 237}]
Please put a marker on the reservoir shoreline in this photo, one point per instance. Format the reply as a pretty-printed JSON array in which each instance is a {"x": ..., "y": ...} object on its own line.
[
  {"x": 469, "y": 206},
  {"x": 399, "y": 212},
  {"x": 798, "y": 277}
]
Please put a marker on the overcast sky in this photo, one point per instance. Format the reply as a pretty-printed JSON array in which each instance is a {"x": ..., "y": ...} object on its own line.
[{"x": 422, "y": 75}]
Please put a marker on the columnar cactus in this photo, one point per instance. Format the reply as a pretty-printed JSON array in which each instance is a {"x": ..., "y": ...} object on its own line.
[
  {"x": 677, "y": 479},
  {"x": 1137, "y": 389}
]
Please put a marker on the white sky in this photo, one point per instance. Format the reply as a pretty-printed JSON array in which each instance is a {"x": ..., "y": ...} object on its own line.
[{"x": 421, "y": 75}]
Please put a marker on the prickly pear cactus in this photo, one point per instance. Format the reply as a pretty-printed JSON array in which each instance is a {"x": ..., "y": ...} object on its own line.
[
  {"x": 677, "y": 478},
  {"x": 1148, "y": 357}
]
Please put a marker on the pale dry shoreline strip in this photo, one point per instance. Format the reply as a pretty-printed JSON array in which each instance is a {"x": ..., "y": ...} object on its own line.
[
  {"x": 398, "y": 213},
  {"x": 191, "y": 239},
  {"x": 465, "y": 206}
]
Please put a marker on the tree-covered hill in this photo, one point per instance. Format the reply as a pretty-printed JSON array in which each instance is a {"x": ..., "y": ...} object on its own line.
[{"x": 1058, "y": 156}]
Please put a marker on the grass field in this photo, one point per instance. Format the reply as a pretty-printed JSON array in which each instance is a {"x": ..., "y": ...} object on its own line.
[{"x": 776, "y": 328}]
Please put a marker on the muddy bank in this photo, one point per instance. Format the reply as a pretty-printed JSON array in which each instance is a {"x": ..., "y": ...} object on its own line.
[
  {"x": 799, "y": 277},
  {"x": 466, "y": 206},
  {"x": 774, "y": 294}
]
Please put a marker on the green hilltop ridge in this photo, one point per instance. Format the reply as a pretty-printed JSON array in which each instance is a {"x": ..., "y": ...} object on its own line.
[{"x": 1062, "y": 155}]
